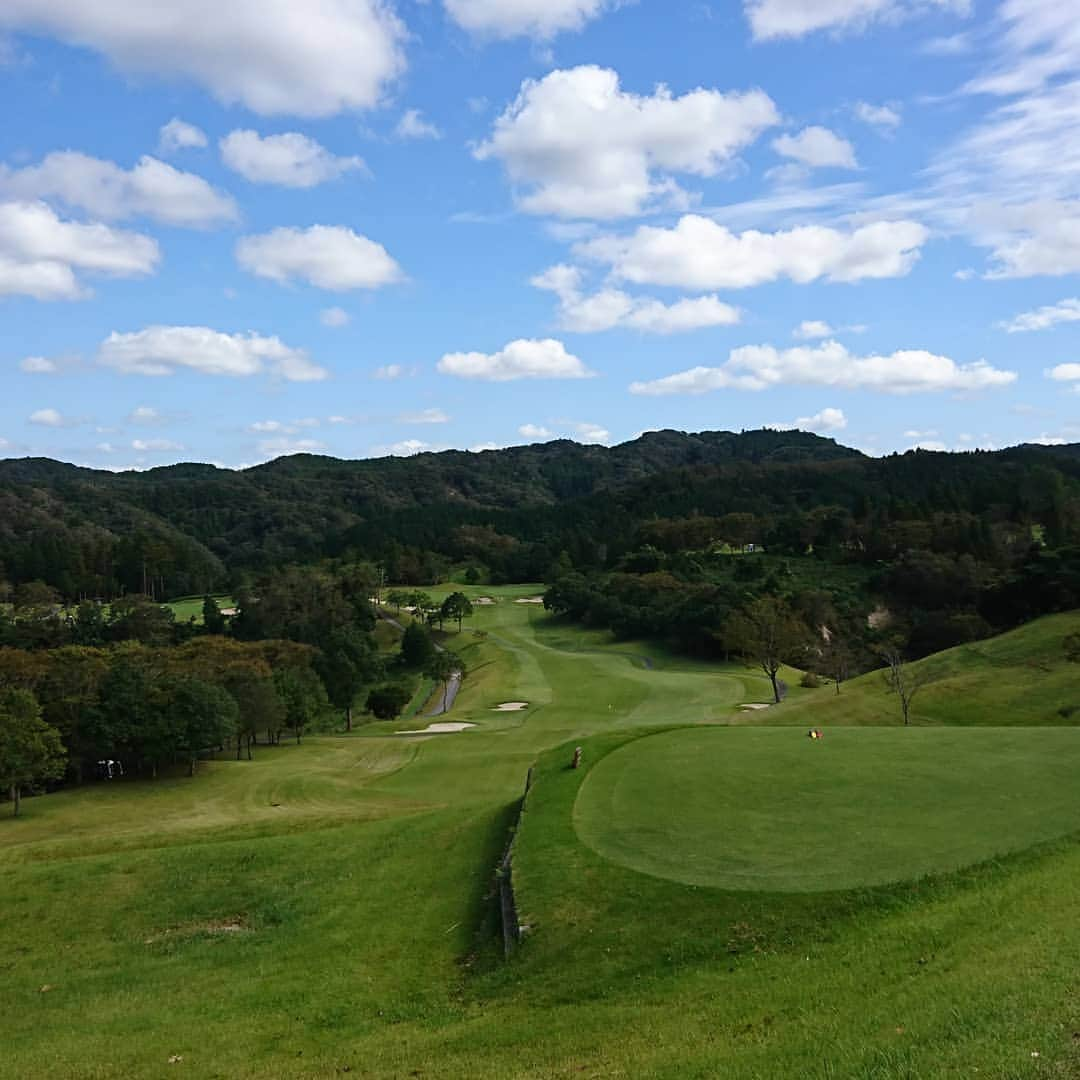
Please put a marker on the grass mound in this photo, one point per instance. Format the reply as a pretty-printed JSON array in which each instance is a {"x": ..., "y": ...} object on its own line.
[{"x": 770, "y": 810}]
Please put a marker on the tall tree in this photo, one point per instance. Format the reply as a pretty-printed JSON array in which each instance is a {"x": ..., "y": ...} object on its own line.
[
  {"x": 457, "y": 606},
  {"x": 346, "y": 662},
  {"x": 30, "y": 749},
  {"x": 213, "y": 620},
  {"x": 903, "y": 680},
  {"x": 768, "y": 632}
]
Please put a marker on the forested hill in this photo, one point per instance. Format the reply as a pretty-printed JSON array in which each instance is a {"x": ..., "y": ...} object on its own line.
[{"x": 187, "y": 528}]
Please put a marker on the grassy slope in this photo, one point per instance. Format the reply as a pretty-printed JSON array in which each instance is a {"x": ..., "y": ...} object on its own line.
[
  {"x": 363, "y": 938},
  {"x": 1018, "y": 678}
]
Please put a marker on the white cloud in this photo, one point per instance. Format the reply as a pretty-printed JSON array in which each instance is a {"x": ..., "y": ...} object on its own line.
[
  {"x": 425, "y": 416},
  {"x": 51, "y": 418},
  {"x": 817, "y": 148},
  {"x": 177, "y": 134},
  {"x": 164, "y": 350},
  {"x": 334, "y": 317},
  {"x": 535, "y": 431},
  {"x": 38, "y": 365},
  {"x": 1065, "y": 311},
  {"x": 290, "y": 446},
  {"x": 290, "y": 160},
  {"x": 916, "y": 434},
  {"x": 883, "y": 117},
  {"x": 812, "y": 329},
  {"x": 524, "y": 18},
  {"x": 412, "y": 125},
  {"x": 405, "y": 448},
  {"x": 521, "y": 359},
  {"x": 1065, "y": 373},
  {"x": 1035, "y": 239},
  {"x": 934, "y": 445},
  {"x": 612, "y": 308},
  {"x": 589, "y": 433},
  {"x": 388, "y": 372},
  {"x": 145, "y": 415},
  {"x": 272, "y": 56},
  {"x": 41, "y": 255},
  {"x": 826, "y": 420},
  {"x": 580, "y": 146},
  {"x": 479, "y": 448},
  {"x": 152, "y": 189},
  {"x": 795, "y": 18},
  {"x": 156, "y": 446},
  {"x": 700, "y": 254},
  {"x": 1049, "y": 440},
  {"x": 760, "y": 367},
  {"x": 326, "y": 256}
]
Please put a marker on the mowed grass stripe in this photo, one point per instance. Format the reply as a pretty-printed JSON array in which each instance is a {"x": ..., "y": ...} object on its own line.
[{"x": 767, "y": 809}]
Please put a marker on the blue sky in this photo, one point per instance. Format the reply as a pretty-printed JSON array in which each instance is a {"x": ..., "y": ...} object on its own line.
[{"x": 233, "y": 231}]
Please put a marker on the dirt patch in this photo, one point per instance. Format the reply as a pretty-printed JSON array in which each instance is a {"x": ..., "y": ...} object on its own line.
[
  {"x": 511, "y": 706},
  {"x": 210, "y": 928},
  {"x": 440, "y": 729},
  {"x": 879, "y": 618}
]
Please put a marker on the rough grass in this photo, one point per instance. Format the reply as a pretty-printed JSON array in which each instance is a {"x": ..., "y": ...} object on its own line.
[{"x": 366, "y": 939}]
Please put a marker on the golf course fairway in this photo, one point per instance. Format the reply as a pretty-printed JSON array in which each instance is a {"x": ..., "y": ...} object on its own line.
[{"x": 768, "y": 809}]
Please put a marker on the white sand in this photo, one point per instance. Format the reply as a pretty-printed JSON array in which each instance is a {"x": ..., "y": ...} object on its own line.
[
  {"x": 483, "y": 600},
  {"x": 530, "y": 600},
  {"x": 511, "y": 706},
  {"x": 439, "y": 729},
  {"x": 755, "y": 706}
]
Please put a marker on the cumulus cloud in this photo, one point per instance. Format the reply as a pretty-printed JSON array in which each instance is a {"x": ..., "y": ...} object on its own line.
[
  {"x": 582, "y": 147},
  {"x": 611, "y": 308},
  {"x": 272, "y": 56},
  {"x": 1065, "y": 311},
  {"x": 290, "y": 446},
  {"x": 585, "y": 432},
  {"x": 521, "y": 359},
  {"x": 405, "y": 448},
  {"x": 152, "y": 189},
  {"x": 334, "y": 317},
  {"x": 535, "y": 431},
  {"x": 524, "y": 18},
  {"x": 48, "y": 365},
  {"x": 177, "y": 134},
  {"x": 817, "y": 148},
  {"x": 164, "y": 350},
  {"x": 1065, "y": 373},
  {"x": 826, "y": 420},
  {"x": 42, "y": 255},
  {"x": 388, "y": 372},
  {"x": 51, "y": 418},
  {"x": 145, "y": 415},
  {"x": 698, "y": 253},
  {"x": 326, "y": 256},
  {"x": 883, "y": 117},
  {"x": 770, "y": 19},
  {"x": 812, "y": 329},
  {"x": 156, "y": 446},
  {"x": 1040, "y": 238},
  {"x": 290, "y": 160},
  {"x": 412, "y": 125},
  {"x": 760, "y": 367},
  {"x": 424, "y": 416}
]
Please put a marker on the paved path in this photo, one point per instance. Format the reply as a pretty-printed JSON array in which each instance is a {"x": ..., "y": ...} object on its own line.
[{"x": 446, "y": 700}]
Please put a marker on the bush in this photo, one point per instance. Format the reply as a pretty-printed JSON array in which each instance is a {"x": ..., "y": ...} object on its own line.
[
  {"x": 386, "y": 702},
  {"x": 810, "y": 681}
]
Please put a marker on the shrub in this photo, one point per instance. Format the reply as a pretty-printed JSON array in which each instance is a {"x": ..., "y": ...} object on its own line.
[{"x": 810, "y": 681}]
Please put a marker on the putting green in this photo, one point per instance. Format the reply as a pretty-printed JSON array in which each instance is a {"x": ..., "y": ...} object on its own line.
[{"x": 769, "y": 809}]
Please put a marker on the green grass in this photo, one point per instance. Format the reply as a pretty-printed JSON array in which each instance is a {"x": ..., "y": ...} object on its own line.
[
  {"x": 328, "y": 907},
  {"x": 191, "y": 607},
  {"x": 769, "y": 809}
]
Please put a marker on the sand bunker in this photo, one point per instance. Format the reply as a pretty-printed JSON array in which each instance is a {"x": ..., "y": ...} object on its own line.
[
  {"x": 483, "y": 600},
  {"x": 439, "y": 729},
  {"x": 530, "y": 600},
  {"x": 511, "y": 706},
  {"x": 756, "y": 706}
]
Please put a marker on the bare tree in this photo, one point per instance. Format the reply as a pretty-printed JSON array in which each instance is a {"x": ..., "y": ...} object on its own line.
[{"x": 903, "y": 680}]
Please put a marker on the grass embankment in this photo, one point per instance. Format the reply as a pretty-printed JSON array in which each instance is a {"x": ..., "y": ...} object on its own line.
[{"x": 322, "y": 908}]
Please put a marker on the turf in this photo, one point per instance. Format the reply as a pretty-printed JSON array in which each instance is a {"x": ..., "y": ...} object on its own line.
[
  {"x": 328, "y": 908},
  {"x": 769, "y": 809}
]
